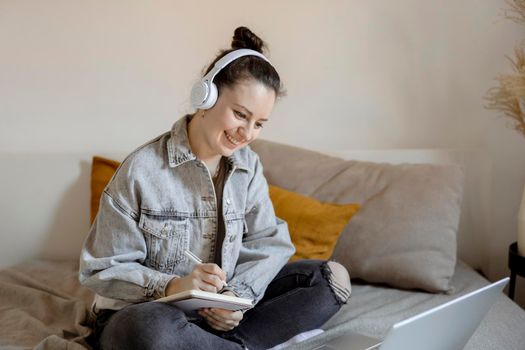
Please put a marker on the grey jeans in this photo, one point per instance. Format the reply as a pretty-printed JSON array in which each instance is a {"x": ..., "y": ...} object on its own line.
[{"x": 300, "y": 298}]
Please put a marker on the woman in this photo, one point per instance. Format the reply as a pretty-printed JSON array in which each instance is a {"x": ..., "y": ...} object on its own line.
[{"x": 199, "y": 188}]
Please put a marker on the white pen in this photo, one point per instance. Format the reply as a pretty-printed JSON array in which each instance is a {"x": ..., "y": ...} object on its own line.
[
  {"x": 196, "y": 260},
  {"x": 192, "y": 257}
]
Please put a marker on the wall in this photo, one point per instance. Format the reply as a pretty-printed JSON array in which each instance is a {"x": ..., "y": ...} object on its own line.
[{"x": 98, "y": 76}]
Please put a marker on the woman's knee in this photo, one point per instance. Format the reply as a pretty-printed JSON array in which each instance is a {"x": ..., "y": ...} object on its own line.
[
  {"x": 341, "y": 275},
  {"x": 338, "y": 280},
  {"x": 141, "y": 326},
  {"x": 316, "y": 270}
]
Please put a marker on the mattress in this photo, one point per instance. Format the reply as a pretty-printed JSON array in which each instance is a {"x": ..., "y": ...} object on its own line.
[
  {"x": 373, "y": 309},
  {"x": 43, "y": 306}
]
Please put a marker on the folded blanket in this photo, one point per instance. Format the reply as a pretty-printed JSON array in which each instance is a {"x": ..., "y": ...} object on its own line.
[{"x": 43, "y": 306}]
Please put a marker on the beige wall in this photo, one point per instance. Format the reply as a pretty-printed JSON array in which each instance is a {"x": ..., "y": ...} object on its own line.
[{"x": 93, "y": 76}]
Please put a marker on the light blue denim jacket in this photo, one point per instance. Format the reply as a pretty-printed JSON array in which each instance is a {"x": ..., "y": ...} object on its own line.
[{"x": 161, "y": 201}]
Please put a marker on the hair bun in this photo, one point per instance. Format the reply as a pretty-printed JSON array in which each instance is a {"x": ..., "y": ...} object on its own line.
[{"x": 244, "y": 38}]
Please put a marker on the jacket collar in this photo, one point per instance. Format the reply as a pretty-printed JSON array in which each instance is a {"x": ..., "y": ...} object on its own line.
[{"x": 179, "y": 150}]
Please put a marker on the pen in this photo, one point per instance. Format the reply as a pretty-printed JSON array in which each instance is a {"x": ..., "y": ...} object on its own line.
[
  {"x": 192, "y": 257},
  {"x": 195, "y": 259}
]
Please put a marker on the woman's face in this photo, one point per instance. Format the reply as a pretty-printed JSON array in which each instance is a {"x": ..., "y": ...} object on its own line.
[{"x": 238, "y": 117}]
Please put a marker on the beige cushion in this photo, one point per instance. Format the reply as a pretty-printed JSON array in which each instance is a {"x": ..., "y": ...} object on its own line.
[{"x": 405, "y": 232}]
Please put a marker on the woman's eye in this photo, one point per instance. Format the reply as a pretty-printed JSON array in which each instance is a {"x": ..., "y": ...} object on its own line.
[{"x": 240, "y": 115}]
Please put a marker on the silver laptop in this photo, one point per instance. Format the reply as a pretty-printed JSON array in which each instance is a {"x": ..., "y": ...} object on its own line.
[{"x": 447, "y": 326}]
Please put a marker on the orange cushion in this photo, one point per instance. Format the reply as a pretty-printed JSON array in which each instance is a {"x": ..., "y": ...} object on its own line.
[
  {"x": 314, "y": 226},
  {"x": 102, "y": 170}
]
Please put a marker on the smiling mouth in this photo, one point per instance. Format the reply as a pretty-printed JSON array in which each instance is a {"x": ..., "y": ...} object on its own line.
[{"x": 232, "y": 140}]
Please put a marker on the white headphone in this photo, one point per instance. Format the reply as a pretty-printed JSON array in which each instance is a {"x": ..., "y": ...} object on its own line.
[{"x": 204, "y": 92}]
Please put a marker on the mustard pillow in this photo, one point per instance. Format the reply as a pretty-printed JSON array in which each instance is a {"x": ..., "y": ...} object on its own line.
[
  {"x": 314, "y": 226},
  {"x": 102, "y": 170}
]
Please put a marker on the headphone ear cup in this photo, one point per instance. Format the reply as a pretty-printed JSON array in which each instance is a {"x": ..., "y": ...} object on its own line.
[
  {"x": 212, "y": 97},
  {"x": 198, "y": 95}
]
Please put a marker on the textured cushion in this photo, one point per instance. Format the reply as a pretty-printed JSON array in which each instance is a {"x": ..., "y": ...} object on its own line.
[
  {"x": 314, "y": 226},
  {"x": 405, "y": 232},
  {"x": 102, "y": 169}
]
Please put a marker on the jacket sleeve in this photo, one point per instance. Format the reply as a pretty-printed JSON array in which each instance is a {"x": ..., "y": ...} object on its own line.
[
  {"x": 266, "y": 245},
  {"x": 112, "y": 256}
]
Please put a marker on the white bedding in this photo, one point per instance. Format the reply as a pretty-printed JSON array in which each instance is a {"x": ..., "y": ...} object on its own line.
[{"x": 372, "y": 309}]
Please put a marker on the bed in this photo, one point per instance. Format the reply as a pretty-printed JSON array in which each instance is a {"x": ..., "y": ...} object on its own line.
[{"x": 46, "y": 217}]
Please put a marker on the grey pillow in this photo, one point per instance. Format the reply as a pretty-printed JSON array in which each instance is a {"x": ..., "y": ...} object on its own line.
[{"x": 404, "y": 234}]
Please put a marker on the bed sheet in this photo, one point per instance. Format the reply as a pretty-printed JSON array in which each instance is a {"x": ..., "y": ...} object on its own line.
[{"x": 373, "y": 309}]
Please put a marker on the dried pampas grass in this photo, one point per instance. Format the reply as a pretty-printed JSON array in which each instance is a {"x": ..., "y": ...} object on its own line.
[
  {"x": 516, "y": 11},
  {"x": 509, "y": 96}
]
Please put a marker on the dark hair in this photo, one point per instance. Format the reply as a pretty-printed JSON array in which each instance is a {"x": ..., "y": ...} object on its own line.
[{"x": 247, "y": 67}]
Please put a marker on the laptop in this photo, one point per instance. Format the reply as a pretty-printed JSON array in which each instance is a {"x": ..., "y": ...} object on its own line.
[{"x": 447, "y": 326}]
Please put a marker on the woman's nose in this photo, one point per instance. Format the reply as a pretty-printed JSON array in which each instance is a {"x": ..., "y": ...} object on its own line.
[{"x": 246, "y": 133}]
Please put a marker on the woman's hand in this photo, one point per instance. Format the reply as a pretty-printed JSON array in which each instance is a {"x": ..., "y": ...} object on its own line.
[
  {"x": 221, "y": 319},
  {"x": 207, "y": 277}
]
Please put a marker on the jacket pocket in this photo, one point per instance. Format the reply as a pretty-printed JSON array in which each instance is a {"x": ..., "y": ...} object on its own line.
[{"x": 167, "y": 237}]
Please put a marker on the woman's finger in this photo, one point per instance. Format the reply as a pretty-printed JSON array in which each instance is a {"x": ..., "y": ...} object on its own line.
[
  {"x": 224, "y": 322},
  {"x": 224, "y": 314},
  {"x": 217, "y": 318},
  {"x": 213, "y": 269},
  {"x": 213, "y": 280},
  {"x": 217, "y": 325},
  {"x": 202, "y": 285}
]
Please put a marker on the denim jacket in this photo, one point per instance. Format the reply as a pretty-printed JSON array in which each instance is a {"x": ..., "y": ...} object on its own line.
[{"x": 160, "y": 202}]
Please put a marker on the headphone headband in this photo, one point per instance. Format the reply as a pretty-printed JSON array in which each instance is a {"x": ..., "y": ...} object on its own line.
[
  {"x": 230, "y": 57},
  {"x": 204, "y": 92}
]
